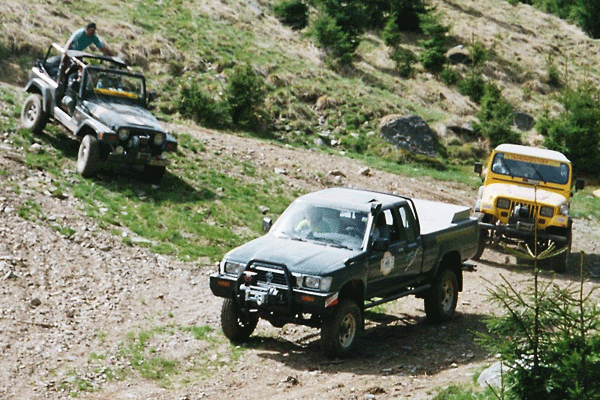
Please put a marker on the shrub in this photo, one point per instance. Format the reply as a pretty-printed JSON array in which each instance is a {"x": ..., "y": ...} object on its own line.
[
  {"x": 479, "y": 54},
  {"x": 404, "y": 58},
  {"x": 391, "y": 34},
  {"x": 495, "y": 118},
  {"x": 199, "y": 106},
  {"x": 408, "y": 14},
  {"x": 433, "y": 57},
  {"x": 245, "y": 94},
  {"x": 293, "y": 13},
  {"x": 449, "y": 76},
  {"x": 339, "y": 45},
  {"x": 473, "y": 85},
  {"x": 576, "y": 131}
]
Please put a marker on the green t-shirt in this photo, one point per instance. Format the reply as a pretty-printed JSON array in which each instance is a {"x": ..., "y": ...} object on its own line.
[{"x": 79, "y": 40}]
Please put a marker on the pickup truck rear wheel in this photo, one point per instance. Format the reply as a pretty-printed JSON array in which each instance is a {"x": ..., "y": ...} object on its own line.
[
  {"x": 236, "y": 324},
  {"x": 340, "y": 332},
  {"x": 88, "y": 158},
  {"x": 440, "y": 302},
  {"x": 33, "y": 116}
]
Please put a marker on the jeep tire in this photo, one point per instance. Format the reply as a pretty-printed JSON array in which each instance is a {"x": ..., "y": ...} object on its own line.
[
  {"x": 440, "y": 301},
  {"x": 33, "y": 116},
  {"x": 237, "y": 325},
  {"x": 88, "y": 158},
  {"x": 341, "y": 329}
]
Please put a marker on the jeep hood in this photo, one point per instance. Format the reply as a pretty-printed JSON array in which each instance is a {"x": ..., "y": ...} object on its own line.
[
  {"x": 116, "y": 114},
  {"x": 304, "y": 257},
  {"x": 527, "y": 194}
]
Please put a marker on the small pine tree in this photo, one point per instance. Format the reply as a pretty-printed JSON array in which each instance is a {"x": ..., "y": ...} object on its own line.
[
  {"x": 433, "y": 57},
  {"x": 293, "y": 13}
]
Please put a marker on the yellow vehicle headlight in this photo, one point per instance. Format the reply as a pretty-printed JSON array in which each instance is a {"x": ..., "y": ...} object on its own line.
[
  {"x": 503, "y": 204},
  {"x": 546, "y": 211}
]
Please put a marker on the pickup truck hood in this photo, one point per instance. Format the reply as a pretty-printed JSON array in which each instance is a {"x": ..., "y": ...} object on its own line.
[
  {"x": 116, "y": 114},
  {"x": 304, "y": 257},
  {"x": 524, "y": 193}
]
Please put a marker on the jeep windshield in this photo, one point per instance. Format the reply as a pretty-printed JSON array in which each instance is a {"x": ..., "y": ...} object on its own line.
[
  {"x": 327, "y": 225},
  {"x": 116, "y": 84},
  {"x": 531, "y": 168}
]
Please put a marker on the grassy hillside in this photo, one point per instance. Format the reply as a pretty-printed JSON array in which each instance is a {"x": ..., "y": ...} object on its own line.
[
  {"x": 210, "y": 202},
  {"x": 177, "y": 42}
]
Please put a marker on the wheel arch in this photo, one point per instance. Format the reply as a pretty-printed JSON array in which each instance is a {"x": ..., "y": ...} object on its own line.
[
  {"x": 354, "y": 290},
  {"x": 37, "y": 86},
  {"x": 452, "y": 261}
]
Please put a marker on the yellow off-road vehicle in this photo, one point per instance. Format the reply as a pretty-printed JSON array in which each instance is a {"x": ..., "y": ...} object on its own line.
[{"x": 526, "y": 195}]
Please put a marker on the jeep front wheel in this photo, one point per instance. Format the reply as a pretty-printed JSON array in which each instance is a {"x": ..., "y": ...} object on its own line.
[
  {"x": 88, "y": 158},
  {"x": 237, "y": 325},
  {"x": 33, "y": 116},
  {"x": 340, "y": 331},
  {"x": 441, "y": 300}
]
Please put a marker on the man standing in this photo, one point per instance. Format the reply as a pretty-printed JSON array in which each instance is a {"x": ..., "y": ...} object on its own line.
[{"x": 83, "y": 37}]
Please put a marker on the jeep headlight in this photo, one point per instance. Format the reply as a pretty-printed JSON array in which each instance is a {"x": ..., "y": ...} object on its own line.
[
  {"x": 546, "y": 211},
  {"x": 124, "y": 134},
  {"x": 159, "y": 138},
  {"x": 503, "y": 204},
  {"x": 563, "y": 209},
  {"x": 316, "y": 282},
  {"x": 231, "y": 267}
]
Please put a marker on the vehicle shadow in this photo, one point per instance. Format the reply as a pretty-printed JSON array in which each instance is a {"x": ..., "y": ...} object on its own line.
[
  {"x": 390, "y": 344},
  {"x": 579, "y": 264},
  {"x": 130, "y": 181}
]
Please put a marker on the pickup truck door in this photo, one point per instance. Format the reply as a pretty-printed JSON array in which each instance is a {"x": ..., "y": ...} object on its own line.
[{"x": 388, "y": 269}]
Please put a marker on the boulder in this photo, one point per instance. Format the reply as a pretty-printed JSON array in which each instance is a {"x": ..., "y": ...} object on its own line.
[
  {"x": 523, "y": 121},
  {"x": 411, "y": 133},
  {"x": 458, "y": 55}
]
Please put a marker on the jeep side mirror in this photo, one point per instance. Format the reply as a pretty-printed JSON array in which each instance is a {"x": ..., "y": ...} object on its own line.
[
  {"x": 152, "y": 95},
  {"x": 267, "y": 224},
  {"x": 478, "y": 168},
  {"x": 381, "y": 244},
  {"x": 579, "y": 184}
]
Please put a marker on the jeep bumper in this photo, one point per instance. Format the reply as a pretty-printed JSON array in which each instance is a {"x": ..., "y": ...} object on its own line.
[{"x": 522, "y": 231}]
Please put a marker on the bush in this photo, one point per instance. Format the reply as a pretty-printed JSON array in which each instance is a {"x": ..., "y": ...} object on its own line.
[
  {"x": 449, "y": 76},
  {"x": 245, "y": 94},
  {"x": 404, "y": 59},
  {"x": 433, "y": 57},
  {"x": 407, "y": 14},
  {"x": 473, "y": 86},
  {"x": 339, "y": 45},
  {"x": 293, "y": 13},
  {"x": 495, "y": 118},
  {"x": 202, "y": 108},
  {"x": 576, "y": 131}
]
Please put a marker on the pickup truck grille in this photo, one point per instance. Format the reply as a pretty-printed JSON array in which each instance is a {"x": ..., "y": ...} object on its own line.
[{"x": 270, "y": 274}]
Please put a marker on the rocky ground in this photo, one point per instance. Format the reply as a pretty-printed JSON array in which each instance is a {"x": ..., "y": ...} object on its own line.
[{"x": 75, "y": 311}]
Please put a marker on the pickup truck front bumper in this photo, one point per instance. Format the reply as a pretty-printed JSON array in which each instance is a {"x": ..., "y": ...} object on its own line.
[{"x": 271, "y": 297}]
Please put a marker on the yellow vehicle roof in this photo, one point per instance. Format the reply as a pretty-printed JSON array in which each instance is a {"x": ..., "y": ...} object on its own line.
[{"x": 532, "y": 152}]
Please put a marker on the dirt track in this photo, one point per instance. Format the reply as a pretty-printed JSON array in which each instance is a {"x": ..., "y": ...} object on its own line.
[{"x": 67, "y": 306}]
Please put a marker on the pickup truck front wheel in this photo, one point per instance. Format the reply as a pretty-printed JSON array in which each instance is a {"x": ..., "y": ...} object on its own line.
[
  {"x": 33, "y": 116},
  {"x": 340, "y": 331},
  {"x": 441, "y": 301},
  {"x": 88, "y": 157},
  {"x": 236, "y": 324}
]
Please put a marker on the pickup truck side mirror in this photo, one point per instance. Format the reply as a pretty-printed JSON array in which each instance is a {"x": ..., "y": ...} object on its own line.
[
  {"x": 267, "y": 224},
  {"x": 478, "y": 168},
  {"x": 579, "y": 184},
  {"x": 381, "y": 244}
]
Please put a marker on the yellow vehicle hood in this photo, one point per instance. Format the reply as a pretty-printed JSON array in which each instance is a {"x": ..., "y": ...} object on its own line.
[{"x": 527, "y": 194}]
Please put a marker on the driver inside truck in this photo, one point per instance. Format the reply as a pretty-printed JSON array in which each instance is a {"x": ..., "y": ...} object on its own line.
[{"x": 319, "y": 220}]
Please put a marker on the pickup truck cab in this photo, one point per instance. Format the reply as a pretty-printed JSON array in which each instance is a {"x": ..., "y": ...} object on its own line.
[
  {"x": 525, "y": 195},
  {"x": 337, "y": 252}
]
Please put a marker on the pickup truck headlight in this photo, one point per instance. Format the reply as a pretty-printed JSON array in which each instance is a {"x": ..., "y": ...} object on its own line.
[
  {"x": 546, "y": 211},
  {"x": 231, "y": 267},
  {"x": 503, "y": 204},
  {"x": 316, "y": 282}
]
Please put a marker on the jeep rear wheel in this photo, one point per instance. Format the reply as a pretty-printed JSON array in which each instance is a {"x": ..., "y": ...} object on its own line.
[
  {"x": 441, "y": 300},
  {"x": 33, "y": 116},
  {"x": 340, "y": 331},
  {"x": 88, "y": 158},
  {"x": 237, "y": 325}
]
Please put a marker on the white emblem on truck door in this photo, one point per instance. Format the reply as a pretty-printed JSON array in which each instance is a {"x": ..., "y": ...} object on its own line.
[{"x": 387, "y": 263}]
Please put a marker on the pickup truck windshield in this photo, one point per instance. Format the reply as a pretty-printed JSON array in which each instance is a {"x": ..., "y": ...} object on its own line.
[
  {"x": 331, "y": 226},
  {"x": 531, "y": 168},
  {"x": 114, "y": 84}
]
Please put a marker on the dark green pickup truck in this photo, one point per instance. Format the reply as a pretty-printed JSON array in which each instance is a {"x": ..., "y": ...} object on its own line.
[{"x": 337, "y": 252}]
